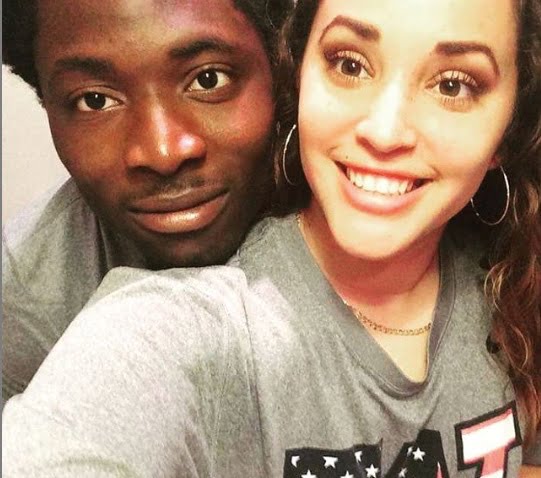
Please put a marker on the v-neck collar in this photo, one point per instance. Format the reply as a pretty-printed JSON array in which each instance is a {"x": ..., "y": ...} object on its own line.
[{"x": 369, "y": 354}]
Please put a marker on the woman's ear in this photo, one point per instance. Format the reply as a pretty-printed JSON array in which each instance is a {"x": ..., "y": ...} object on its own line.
[
  {"x": 495, "y": 162},
  {"x": 298, "y": 78}
]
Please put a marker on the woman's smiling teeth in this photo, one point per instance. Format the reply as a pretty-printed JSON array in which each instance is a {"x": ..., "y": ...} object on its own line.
[{"x": 380, "y": 184}]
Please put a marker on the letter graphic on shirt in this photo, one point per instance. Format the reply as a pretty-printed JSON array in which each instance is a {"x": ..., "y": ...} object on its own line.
[
  {"x": 485, "y": 442},
  {"x": 424, "y": 458}
]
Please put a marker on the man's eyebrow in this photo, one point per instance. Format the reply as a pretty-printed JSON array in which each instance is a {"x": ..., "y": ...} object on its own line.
[
  {"x": 195, "y": 48},
  {"x": 362, "y": 29},
  {"x": 89, "y": 65},
  {"x": 453, "y": 48}
]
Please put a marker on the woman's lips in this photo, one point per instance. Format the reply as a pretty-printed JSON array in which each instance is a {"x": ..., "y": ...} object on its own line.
[
  {"x": 191, "y": 211},
  {"x": 380, "y": 194}
]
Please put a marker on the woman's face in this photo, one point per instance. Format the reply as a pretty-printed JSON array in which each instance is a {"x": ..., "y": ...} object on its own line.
[{"x": 403, "y": 104}]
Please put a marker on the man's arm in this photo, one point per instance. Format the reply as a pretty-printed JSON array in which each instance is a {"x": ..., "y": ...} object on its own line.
[{"x": 116, "y": 396}]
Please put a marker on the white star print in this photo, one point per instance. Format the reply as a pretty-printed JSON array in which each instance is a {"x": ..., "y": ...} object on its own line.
[
  {"x": 402, "y": 473},
  {"x": 330, "y": 461},
  {"x": 347, "y": 475},
  {"x": 371, "y": 472},
  {"x": 358, "y": 455},
  {"x": 308, "y": 475},
  {"x": 418, "y": 454},
  {"x": 410, "y": 449},
  {"x": 294, "y": 460}
]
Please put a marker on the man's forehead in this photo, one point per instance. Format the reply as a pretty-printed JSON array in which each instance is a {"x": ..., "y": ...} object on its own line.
[
  {"x": 117, "y": 14},
  {"x": 64, "y": 24}
]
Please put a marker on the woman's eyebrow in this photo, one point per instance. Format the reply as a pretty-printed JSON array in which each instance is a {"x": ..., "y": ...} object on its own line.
[
  {"x": 455, "y": 48},
  {"x": 360, "y": 28}
]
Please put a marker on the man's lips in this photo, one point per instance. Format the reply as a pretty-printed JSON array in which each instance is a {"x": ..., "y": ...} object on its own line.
[{"x": 190, "y": 210}]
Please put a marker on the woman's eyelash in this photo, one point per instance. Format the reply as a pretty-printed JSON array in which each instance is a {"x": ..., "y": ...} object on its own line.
[
  {"x": 348, "y": 64},
  {"x": 456, "y": 90},
  {"x": 459, "y": 77}
]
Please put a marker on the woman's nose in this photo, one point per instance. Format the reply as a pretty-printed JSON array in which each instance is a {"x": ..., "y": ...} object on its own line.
[{"x": 385, "y": 127}]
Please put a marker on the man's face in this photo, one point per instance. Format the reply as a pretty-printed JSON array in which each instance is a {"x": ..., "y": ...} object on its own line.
[{"x": 162, "y": 112}]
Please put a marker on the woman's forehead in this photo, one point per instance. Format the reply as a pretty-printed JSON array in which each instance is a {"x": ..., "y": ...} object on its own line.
[{"x": 454, "y": 19}]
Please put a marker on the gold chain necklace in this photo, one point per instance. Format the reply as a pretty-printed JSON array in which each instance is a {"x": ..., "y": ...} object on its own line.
[
  {"x": 370, "y": 323},
  {"x": 387, "y": 330}
]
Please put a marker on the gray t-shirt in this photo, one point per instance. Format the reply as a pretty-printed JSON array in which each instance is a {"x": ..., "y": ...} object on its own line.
[
  {"x": 258, "y": 369},
  {"x": 54, "y": 256}
]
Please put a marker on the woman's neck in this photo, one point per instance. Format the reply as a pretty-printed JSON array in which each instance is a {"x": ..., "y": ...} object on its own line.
[{"x": 392, "y": 282}]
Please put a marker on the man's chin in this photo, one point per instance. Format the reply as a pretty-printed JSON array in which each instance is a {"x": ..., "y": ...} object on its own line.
[{"x": 189, "y": 255}]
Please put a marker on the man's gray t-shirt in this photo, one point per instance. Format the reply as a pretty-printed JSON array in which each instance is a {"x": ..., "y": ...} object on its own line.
[
  {"x": 54, "y": 256},
  {"x": 258, "y": 369}
]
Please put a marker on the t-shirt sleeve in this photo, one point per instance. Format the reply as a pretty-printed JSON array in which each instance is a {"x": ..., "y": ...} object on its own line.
[
  {"x": 122, "y": 392},
  {"x": 17, "y": 336},
  {"x": 51, "y": 265}
]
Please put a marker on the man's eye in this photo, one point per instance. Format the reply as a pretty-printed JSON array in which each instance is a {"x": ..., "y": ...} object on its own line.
[
  {"x": 93, "y": 101},
  {"x": 209, "y": 80}
]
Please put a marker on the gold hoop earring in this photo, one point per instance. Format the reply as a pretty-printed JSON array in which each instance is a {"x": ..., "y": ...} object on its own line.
[
  {"x": 507, "y": 202},
  {"x": 284, "y": 152}
]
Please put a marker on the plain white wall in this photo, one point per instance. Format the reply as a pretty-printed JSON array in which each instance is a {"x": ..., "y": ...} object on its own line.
[{"x": 30, "y": 164}]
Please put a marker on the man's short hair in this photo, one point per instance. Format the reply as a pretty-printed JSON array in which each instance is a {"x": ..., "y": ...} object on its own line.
[{"x": 19, "y": 28}]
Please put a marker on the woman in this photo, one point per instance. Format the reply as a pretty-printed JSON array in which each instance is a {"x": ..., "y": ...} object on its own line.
[{"x": 351, "y": 338}]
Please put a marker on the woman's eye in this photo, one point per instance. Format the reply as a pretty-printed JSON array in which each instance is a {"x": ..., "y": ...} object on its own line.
[
  {"x": 352, "y": 67},
  {"x": 209, "y": 80},
  {"x": 347, "y": 66},
  {"x": 454, "y": 89},
  {"x": 451, "y": 88},
  {"x": 455, "y": 85},
  {"x": 94, "y": 101}
]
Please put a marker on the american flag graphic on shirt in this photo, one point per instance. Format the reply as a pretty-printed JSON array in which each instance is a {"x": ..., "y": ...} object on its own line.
[
  {"x": 482, "y": 443},
  {"x": 421, "y": 459}
]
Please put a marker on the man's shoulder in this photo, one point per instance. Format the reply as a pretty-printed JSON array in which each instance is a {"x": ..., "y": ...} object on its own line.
[
  {"x": 187, "y": 306},
  {"x": 47, "y": 216},
  {"x": 52, "y": 247},
  {"x": 195, "y": 286}
]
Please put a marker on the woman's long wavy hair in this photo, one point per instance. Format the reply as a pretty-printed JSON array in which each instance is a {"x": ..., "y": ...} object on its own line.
[{"x": 513, "y": 281}]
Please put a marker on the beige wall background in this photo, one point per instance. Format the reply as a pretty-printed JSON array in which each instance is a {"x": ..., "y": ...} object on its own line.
[{"x": 30, "y": 164}]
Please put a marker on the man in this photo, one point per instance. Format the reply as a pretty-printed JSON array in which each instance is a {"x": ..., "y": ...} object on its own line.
[{"x": 162, "y": 112}]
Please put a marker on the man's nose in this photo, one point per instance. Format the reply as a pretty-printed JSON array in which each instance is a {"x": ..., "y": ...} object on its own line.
[
  {"x": 385, "y": 127},
  {"x": 162, "y": 140}
]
